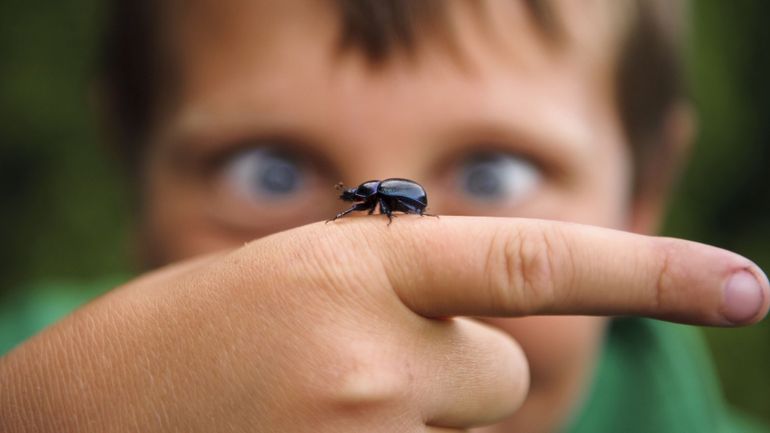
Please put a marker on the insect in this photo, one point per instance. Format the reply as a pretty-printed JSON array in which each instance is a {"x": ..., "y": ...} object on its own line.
[{"x": 393, "y": 195}]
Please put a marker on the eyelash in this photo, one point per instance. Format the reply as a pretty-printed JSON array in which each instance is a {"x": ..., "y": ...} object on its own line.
[
  {"x": 213, "y": 163},
  {"x": 456, "y": 159},
  {"x": 497, "y": 177}
]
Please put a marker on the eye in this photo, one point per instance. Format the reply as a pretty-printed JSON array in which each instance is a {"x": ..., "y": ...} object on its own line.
[
  {"x": 498, "y": 177},
  {"x": 265, "y": 174}
]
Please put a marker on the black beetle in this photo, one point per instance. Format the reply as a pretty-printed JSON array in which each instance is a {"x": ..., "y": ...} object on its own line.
[{"x": 393, "y": 195}]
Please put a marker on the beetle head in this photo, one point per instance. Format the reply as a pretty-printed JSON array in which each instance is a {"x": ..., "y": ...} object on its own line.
[
  {"x": 349, "y": 195},
  {"x": 361, "y": 193},
  {"x": 345, "y": 193}
]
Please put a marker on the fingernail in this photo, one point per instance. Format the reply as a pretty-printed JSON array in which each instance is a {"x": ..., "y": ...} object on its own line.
[{"x": 744, "y": 297}]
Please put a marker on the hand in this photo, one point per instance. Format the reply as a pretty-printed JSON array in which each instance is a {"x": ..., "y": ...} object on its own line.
[{"x": 345, "y": 327}]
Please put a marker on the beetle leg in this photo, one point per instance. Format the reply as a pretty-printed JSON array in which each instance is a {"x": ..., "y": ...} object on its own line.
[
  {"x": 385, "y": 209},
  {"x": 412, "y": 209},
  {"x": 372, "y": 203},
  {"x": 356, "y": 207}
]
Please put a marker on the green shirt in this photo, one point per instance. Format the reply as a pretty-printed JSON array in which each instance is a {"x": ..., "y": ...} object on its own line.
[
  {"x": 652, "y": 376},
  {"x": 657, "y": 377}
]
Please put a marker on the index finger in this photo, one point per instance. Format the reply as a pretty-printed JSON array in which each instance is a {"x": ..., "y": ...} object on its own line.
[{"x": 475, "y": 266}]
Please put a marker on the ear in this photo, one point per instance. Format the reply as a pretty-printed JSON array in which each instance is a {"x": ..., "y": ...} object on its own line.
[{"x": 655, "y": 185}]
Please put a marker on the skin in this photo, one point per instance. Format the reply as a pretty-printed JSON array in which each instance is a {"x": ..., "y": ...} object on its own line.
[{"x": 354, "y": 325}]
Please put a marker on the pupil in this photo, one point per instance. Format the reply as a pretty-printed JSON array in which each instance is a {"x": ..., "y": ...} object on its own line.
[
  {"x": 482, "y": 180},
  {"x": 278, "y": 176}
]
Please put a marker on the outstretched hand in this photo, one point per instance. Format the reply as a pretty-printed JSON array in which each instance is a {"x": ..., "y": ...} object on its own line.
[{"x": 344, "y": 327}]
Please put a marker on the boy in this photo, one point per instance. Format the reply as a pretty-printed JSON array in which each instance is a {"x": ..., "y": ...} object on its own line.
[{"x": 248, "y": 111}]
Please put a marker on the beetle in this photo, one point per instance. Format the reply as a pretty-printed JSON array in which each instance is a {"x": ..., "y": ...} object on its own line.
[{"x": 392, "y": 195}]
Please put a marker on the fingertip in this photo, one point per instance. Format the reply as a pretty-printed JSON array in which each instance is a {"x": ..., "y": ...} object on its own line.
[{"x": 746, "y": 296}]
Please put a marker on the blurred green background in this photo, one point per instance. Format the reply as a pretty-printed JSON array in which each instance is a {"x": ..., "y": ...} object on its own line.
[{"x": 65, "y": 214}]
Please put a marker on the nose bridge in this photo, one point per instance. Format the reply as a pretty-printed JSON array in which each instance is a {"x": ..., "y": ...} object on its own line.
[
  {"x": 378, "y": 142},
  {"x": 380, "y": 162},
  {"x": 376, "y": 167},
  {"x": 383, "y": 120}
]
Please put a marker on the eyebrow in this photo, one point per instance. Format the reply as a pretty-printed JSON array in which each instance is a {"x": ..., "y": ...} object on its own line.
[{"x": 553, "y": 148}]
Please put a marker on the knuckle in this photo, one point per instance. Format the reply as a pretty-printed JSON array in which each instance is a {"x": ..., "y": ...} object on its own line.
[
  {"x": 516, "y": 378},
  {"x": 489, "y": 365},
  {"x": 665, "y": 251},
  {"x": 503, "y": 370},
  {"x": 362, "y": 376},
  {"x": 525, "y": 270}
]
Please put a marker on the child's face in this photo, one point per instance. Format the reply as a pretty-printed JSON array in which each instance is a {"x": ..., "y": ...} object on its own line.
[{"x": 271, "y": 115}]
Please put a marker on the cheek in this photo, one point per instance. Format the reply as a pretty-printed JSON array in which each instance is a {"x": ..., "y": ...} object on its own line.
[{"x": 174, "y": 222}]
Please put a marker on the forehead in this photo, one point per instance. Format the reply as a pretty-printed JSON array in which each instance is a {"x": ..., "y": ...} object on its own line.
[
  {"x": 244, "y": 28},
  {"x": 278, "y": 63}
]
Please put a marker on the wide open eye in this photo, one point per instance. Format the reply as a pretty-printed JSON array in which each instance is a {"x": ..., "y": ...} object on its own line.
[
  {"x": 497, "y": 178},
  {"x": 262, "y": 174},
  {"x": 269, "y": 185}
]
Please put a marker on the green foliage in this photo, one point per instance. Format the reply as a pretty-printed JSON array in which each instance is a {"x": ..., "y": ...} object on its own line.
[
  {"x": 64, "y": 212},
  {"x": 62, "y": 208}
]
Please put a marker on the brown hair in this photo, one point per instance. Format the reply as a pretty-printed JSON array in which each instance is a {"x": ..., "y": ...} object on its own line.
[{"x": 649, "y": 75}]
